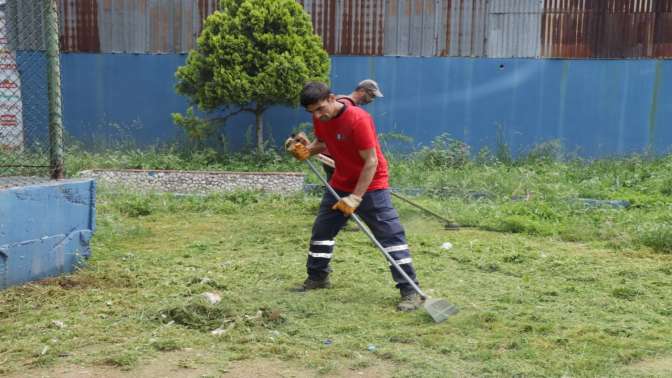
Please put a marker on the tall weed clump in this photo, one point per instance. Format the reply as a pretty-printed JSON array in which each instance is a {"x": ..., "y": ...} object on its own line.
[
  {"x": 658, "y": 238},
  {"x": 445, "y": 152}
]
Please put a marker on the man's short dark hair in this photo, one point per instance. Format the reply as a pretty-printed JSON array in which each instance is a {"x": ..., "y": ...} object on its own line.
[{"x": 314, "y": 92}]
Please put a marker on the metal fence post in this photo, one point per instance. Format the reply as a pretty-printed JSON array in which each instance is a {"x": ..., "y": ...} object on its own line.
[{"x": 54, "y": 88}]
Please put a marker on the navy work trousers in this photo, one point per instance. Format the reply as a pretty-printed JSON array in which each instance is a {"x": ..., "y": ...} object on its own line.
[{"x": 377, "y": 212}]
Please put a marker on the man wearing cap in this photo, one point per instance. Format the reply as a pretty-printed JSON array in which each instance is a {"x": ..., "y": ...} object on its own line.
[{"x": 365, "y": 92}]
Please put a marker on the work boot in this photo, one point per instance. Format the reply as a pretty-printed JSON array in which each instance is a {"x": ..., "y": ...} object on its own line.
[
  {"x": 409, "y": 302},
  {"x": 309, "y": 284}
]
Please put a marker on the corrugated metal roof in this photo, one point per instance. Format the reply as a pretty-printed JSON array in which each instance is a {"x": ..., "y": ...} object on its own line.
[{"x": 472, "y": 28}]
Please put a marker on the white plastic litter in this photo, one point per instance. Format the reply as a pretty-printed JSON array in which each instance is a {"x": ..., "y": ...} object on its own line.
[
  {"x": 221, "y": 330},
  {"x": 57, "y": 324},
  {"x": 212, "y": 298},
  {"x": 218, "y": 331},
  {"x": 447, "y": 245}
]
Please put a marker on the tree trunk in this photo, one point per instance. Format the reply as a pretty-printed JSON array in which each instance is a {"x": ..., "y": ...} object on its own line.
[{"x": 259, "y": 121}]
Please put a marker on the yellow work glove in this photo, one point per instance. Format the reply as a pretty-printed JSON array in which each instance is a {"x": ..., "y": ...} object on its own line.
[
  {"x": 348, "y": 205},
  {"x": 299, "y": 151}
]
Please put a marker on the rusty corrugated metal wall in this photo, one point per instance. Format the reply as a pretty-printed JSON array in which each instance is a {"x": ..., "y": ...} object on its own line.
[
  {"x": 528, "y": 28},
  {"x": 137, "y": 26},
  {"x": 496, "y": 28},
  {"x": 356, "y": 26},
  {"x": 413, "y": 28},
  {"x": 607, "y": 28},
  {"x": 513, "y": 28},
  {"x": 466, "y": 28}
]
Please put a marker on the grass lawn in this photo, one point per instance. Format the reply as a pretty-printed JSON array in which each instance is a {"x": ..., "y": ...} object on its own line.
[{"x": 531, "y": 303}]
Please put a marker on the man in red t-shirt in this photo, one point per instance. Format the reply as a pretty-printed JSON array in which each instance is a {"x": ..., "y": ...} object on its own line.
[
  {"x": 360, "y": 179},
  {"x": 366, "y": 91}
]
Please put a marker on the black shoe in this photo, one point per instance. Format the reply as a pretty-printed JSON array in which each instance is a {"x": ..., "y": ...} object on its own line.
[
  {"x": 309, "y": 284},
  {"x": 410, "y": 302}
]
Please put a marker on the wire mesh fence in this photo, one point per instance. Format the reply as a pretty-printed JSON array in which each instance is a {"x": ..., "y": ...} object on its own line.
[{"x": 31, "y": 134}]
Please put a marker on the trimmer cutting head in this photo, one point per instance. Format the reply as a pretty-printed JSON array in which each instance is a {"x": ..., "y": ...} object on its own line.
[
  {"x": 451, "y": 226},
  {"x": 439, "y": 309}
]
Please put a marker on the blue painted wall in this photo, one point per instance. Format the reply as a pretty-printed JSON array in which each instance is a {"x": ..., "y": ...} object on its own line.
[
  {"x": 45, "y": 229},
  {"x": 596, "y": 107},
  {"x": 600, "y": 107},
  {"x": 33, "y": 74}
]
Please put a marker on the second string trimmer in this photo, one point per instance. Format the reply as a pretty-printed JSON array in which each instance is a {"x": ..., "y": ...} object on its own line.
[{"x": 447, "y": 223}]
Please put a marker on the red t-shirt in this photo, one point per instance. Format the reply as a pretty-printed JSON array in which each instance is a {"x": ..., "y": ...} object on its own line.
[
  {"x": 346, "y": 100},
  {"x": 350, "y": 132}
]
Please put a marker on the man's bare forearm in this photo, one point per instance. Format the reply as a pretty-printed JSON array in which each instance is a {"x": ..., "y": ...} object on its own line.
[
  {"x": 368, "y": 171},
  {"x": 316, "y": 147}
]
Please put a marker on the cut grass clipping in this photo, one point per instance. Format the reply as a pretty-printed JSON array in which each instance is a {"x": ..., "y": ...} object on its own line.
[{"x": 201, "y": 315}]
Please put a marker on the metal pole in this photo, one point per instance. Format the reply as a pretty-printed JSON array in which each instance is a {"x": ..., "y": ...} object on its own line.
[{"x": 51, "y": 31}]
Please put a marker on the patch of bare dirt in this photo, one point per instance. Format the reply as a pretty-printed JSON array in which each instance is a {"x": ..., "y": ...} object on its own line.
[
  {"x": 67, "y": 282},
  {"x": 656, "y": 367},
  {"x": 282, "y": 369},
  {"x": 182, "y": 364},
  {"x": 168, "y": 365}
]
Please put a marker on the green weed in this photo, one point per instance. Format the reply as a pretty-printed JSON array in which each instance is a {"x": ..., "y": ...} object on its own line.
[{"x": 658, "y": 237}]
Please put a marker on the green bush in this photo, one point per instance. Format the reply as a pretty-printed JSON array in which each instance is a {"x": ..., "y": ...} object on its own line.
[
  {"x": 658, "y": 237},
  {"x": 549, "y": 151},
  {"x": 134, "y": 206},
  {"x": 520, "y": 224},
  {"x": 445, "y": 152},
  {"x": 250, "y": 56}
]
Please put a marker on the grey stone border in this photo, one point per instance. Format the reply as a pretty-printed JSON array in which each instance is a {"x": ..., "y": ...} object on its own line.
[{"x": 197, "y": 182}]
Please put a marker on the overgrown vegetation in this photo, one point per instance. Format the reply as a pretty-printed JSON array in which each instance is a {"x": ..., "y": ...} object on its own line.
[
  {"x": 175, "y": 157},
  {"x": 562, "y": 268},
  {"x": 621, "y": 202}
]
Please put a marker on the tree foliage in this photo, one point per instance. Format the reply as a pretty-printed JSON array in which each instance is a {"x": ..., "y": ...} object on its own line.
[{"x": 251, "y": 54}]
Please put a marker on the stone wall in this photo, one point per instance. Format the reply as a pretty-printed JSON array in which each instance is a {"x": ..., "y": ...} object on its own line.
[{"x": 200, "y": 182}]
